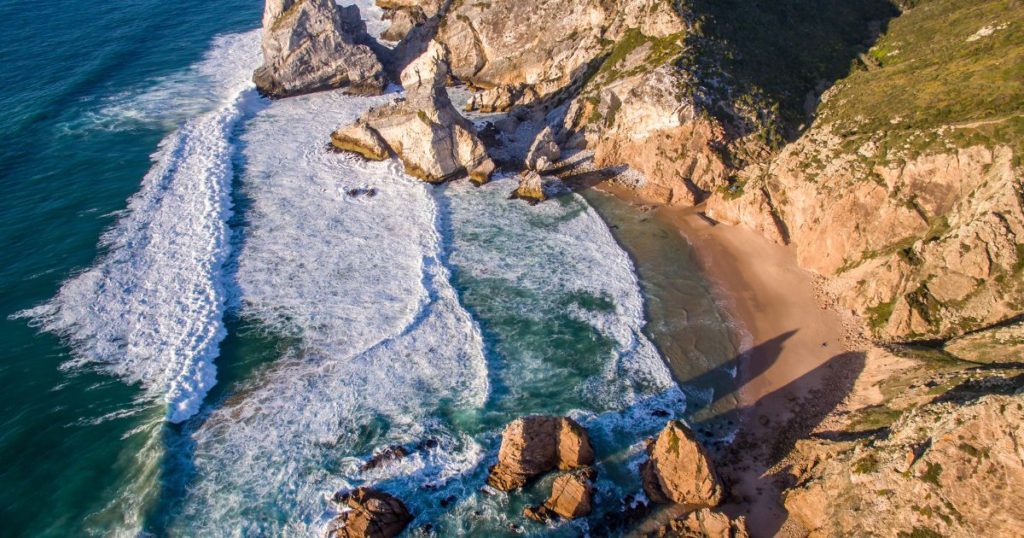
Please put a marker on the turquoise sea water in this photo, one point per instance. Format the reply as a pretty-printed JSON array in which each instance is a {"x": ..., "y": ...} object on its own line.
[{"x": 206, "y": 335}]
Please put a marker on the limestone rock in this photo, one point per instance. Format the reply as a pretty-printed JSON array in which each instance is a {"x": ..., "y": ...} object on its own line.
[
  {"x": 543, "y": 151},
  {"x": 370, "y": 514},
  {"x": 706, "y": 523},
  {"x": 424, "y": 130},
  {"x": 313, "y": 45},
  {"x": 571, "y": 497},
  {"x": 679, "y": 469},
  {"x": 534, "y": 445}
]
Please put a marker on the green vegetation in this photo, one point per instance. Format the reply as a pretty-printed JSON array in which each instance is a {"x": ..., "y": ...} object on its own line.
[
  {"x": 866, "y": 465},
  {"x": 874, "y": 417},
  {"x": 943, "y": 81},
  {"x": 932, "y": 473},
  {"x": 919, "y": 532}
]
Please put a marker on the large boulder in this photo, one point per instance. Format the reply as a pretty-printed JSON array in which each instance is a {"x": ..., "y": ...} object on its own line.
[
  {"x": 679, "y": 470},
  {"x": 531, "y": 188},
  {"x": 370, "y": 514},
  {"x": 313, "y": 45},
  {"x": 430, "y": 137},
  {"x": 532, "y": 446},
  {"x": 571, "y": 497}
]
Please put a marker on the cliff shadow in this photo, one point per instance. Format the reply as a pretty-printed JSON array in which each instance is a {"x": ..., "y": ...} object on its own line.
[
  {"x": 767, "y": 430},
  {"x": 782, "y": 53}
]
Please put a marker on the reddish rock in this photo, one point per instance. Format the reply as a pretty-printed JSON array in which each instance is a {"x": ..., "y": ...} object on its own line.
[
  {"x": 372, "y": 514},
  {"x": 571, "y": 497},
  {"x": 679, "y": 470},
  {"x": 532, "y": 446}
]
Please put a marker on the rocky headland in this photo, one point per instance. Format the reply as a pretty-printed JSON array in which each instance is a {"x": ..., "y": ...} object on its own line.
[{"x": 851, "y": 175}]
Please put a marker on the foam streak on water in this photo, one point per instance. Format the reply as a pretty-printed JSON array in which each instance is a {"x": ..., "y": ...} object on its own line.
[
  {"x": 150, "y": 310},
  {"x": 361, "y": 282}
]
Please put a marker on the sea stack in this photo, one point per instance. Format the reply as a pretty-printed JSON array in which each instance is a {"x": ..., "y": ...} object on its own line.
[
  {"x": 314, "y": 45},
  {"x": 430, "y": 137}
]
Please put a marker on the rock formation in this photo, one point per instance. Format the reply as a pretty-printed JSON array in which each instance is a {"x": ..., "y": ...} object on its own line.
[
  {"x": 430, "y": 137},
  {"x": 521, "y": 55},
  {"x": 531, "y": 187},
  {"x": 571, "y": 497},
  {"x": 945, "y": 469},
  {"x": 543, "y": 152},
  {"x": 313, "y": 45},
  {"x": 705, "y": 523},
  {"x": 370, "y": 514},
  {"x": 534, "y": 445},
  {"x": 679, "y": 470}
]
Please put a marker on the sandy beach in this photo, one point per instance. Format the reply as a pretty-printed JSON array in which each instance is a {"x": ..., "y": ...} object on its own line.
[{"x": 794, "y": 367}]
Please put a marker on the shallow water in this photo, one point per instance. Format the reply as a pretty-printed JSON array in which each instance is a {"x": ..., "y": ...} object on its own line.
[{"x": 223, "y": 351}]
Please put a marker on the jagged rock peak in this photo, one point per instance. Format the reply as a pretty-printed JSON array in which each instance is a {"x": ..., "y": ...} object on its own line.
[
  {"x": 314, "y": 45},
  {"x": 433, "y": 141}
]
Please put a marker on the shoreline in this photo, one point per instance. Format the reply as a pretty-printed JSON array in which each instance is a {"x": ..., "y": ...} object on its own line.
[{"x": 791, "y": 349}]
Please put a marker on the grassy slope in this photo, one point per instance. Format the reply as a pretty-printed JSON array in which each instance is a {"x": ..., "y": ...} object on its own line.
[{"x": 926, "y": 75}]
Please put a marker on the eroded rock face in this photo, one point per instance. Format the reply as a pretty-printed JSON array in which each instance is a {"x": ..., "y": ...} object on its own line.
[
  {"x": 999, "y": 345},
  {"x": 950, "y": 469},
  {"x": 532, "y": 446},
  {"x": 371, "y": 514},
  {"x": 424, "y": 130},
  {"x": 314, "y": 45},
  {"x": 705, "y": 523},
  {"x": 527, "y": 52},
  {"x": 679, "y": 470},
  {"x": 571, "y": 497},
  {"x": 544, "y": 151}
]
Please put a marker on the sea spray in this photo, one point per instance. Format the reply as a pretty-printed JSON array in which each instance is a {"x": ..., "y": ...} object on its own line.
[{"x": 150, "y": 310}]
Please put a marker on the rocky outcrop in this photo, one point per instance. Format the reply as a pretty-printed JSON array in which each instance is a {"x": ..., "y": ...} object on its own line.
[
  {"x": 313, "y": 45},
  {"x": 531, "y": 188},
  {"x": 571, "y": 497},
  {"x": 998, "y": 345},
  {"x": 370, "y": 514},
  {"x": 405, "y": 15},
  {"x": 705, "y": 523},
  {"x": 424, "y": 130},
  {"x": 524, "y": 53},
  {"x": 679, "y": 471},
  {"x": 534, "y": 445},
  {"x": 543, "y": 152},
  {"x": 945, "y": 469}
]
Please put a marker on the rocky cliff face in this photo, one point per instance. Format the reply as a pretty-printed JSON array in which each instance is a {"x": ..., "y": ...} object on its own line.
[
  {"x": 945, "y": 469},
  {"x": 313, "y": 45},
  {"x": 424, "y": 130},
  {"x": 906, "y": 190}
]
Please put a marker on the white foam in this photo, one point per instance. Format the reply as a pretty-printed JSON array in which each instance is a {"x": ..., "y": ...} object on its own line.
[
  {"x": 149, "y": 311},
  {"x": 362, "y": 283}
]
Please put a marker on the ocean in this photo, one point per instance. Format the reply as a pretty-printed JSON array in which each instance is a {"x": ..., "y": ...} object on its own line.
[{"x": 207, "y": 335}]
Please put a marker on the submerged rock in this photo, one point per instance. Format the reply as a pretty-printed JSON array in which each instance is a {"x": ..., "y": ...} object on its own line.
[
  {"x": 532, "y": 446},
  {"x": 387, "y": 454},
  {"x": 372, "y": 514},
  {"x": 313, "y": 45},
  {"x": 679, "y": 470},
  {"x": 433, "y": 141},
  {"x": 571, "y": 497}
]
